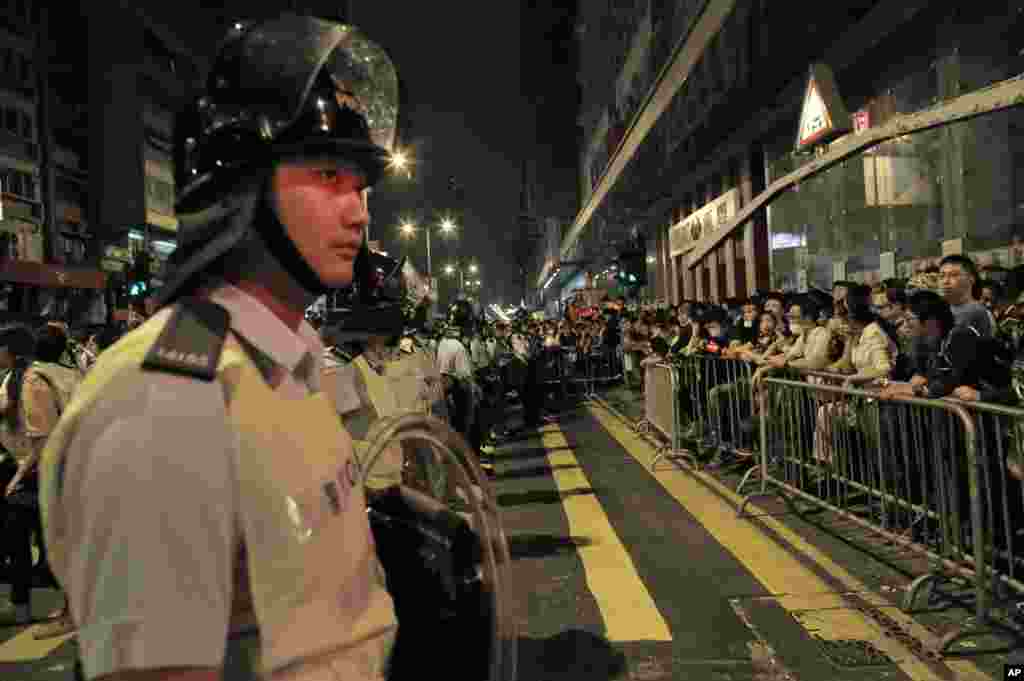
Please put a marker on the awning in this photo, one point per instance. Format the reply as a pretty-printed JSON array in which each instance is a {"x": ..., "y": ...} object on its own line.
[{"x": 51, "y": 276}]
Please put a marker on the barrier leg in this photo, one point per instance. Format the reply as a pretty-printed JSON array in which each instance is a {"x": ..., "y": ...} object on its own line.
[{"x": 766, "y": 489}]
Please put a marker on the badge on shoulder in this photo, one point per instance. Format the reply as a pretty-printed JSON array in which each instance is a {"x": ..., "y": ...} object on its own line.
[{"x": 191, "y": 342}]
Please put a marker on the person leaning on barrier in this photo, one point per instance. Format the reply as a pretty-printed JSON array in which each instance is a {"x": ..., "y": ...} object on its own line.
[
  {"x": 966, "y": 364},
  {"x": 747, "y": 328},
  {"x": 775, "y": 302},
  {"x": 971, "y": 367},
  {"x": 767, "y": 334},
  {"x": 873, "y": 344},
  {"x": 239, "y": 545},
  {"x": 809, "y": 341}
]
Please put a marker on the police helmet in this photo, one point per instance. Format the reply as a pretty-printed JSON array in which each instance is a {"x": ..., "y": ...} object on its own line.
[
  {"x": 460, "y": 315},
  {"x": 292, "y": 87},
  {"x": 385, "y": 298},
  {"x": 287, "y": 89}
]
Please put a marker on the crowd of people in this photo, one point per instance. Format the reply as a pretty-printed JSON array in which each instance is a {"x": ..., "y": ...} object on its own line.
[
  {"x": 41, "y": 364},
  {"x": 935, "y": 336}
]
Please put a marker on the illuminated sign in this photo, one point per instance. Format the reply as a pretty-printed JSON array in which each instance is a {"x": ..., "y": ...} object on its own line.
[{"x": 823, "y": 116}]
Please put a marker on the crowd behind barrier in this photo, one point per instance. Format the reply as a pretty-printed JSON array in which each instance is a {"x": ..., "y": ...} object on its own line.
[{"x": 898, "y": 408}]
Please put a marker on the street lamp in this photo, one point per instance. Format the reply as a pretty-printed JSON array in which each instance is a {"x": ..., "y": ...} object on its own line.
[
  {"x": 452, "y": 268},
  {"x": 400, "y": 161},
  {"x": 447, "y": 226}
]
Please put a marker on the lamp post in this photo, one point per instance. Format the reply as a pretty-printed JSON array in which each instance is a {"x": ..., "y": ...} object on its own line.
[
  {"x": 408, "y": 231},
  {"x": 472, "y": 268}
]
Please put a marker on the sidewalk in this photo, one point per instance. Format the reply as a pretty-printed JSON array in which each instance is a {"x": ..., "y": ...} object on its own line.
[{"x": 852, "y": 558}]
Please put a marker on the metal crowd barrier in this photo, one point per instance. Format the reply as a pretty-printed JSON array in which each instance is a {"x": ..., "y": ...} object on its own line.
[
  {"x": 710, "y": 400},
  {"x": 661, "y": 412},
  {"x": 1000, "y": 454},
  {"x": 567, "y": 368},
  {"x": 921, "y": 473}
]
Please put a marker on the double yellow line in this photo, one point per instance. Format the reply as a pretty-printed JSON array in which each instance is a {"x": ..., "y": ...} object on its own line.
[
  {"x": 627, "y": 608},
  {"x": 814, "y": 603}
]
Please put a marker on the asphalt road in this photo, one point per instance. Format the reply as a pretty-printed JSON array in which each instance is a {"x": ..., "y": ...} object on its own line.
[{"x": 619, "y": 572}]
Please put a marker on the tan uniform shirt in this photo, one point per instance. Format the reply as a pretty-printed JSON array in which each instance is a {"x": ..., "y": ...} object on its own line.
[
  {"x": 151, "y": 549},
  {"x": 40, "y": 406}
]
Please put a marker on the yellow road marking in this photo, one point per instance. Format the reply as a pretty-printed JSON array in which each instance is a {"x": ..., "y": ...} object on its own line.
[
  {"x": 24, "y": 647},
  {"x": 799, "y": 590},
  {"x": 627, "y": 608}
]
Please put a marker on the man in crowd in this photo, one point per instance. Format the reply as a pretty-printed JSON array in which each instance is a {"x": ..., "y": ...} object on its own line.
[
  {"x": 964, "y": 363},
  {"x": 958, "y": 275}
]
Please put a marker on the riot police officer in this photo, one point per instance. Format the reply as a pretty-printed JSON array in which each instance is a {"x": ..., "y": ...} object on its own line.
[
  {"x": 203, "y": 509},
  {"x": 373, "y": 377},
  {"x": 455, "y": 365}
]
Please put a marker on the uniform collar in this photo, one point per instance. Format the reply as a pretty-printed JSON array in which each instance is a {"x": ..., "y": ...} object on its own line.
[{"x": 301, "y": 353}]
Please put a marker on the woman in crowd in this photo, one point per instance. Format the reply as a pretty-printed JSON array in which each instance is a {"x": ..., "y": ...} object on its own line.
[
  {"x": 873, "y": 343},
  {"x": 871, "y": 351}
]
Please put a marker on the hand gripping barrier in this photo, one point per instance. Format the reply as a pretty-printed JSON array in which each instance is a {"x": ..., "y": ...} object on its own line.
[{"x": 918, "y": 472}]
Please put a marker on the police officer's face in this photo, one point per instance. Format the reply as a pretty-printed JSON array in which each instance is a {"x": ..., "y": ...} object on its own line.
[{"x": 323, "y": 207}]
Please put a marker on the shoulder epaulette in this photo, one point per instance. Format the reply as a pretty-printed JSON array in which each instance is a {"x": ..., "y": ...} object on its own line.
[{"x": 191, "y": 342}]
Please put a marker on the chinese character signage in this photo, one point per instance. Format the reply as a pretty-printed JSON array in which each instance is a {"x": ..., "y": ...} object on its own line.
[{"x": 708, "y": 219}]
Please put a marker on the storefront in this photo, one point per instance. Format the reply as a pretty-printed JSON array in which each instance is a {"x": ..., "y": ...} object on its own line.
[
  {"x": 929, "y": 161},
  {"x": 30, "y": 290}
]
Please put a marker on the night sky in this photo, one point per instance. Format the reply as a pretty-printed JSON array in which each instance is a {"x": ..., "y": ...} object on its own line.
[{"x": 460, "y": 65}]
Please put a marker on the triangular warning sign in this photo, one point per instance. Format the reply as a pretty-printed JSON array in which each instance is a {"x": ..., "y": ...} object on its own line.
[{"x": 823, "y": 116}]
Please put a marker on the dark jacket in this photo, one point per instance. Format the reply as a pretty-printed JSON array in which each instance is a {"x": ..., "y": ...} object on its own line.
[{"x": 966, "y": 357}]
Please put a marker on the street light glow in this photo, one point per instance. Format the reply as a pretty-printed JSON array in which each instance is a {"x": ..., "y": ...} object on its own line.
[
  {"x": 399, "y": 160},
  {"x": 408, "y": 229},
  {"x": 449, "y": 269},
  {"x": 472, "y": 269},
  {"x": 447, "y": 226}
]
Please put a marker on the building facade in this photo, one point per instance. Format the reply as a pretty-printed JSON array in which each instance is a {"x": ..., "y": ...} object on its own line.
[
  {"x": 85, "y": 154},
  {"x": 701, "y": 151}
]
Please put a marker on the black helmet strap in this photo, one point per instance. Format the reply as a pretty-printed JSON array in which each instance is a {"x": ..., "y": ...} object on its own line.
[{"x": 280, "y": 245}]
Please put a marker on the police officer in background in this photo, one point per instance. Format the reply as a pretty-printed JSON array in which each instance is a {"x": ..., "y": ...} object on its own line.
[
  {"x": 378, "y": 379},
  {"x": 455, "y": 365},
  {"x": 239, "y": 544}
]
